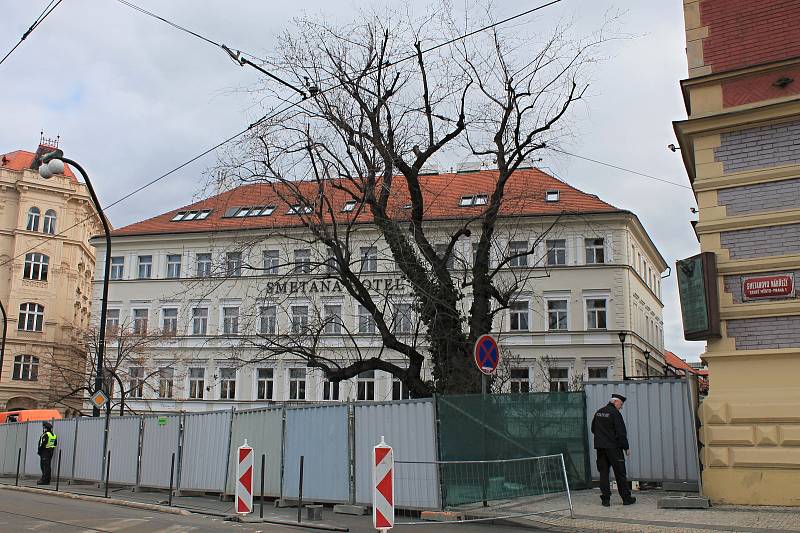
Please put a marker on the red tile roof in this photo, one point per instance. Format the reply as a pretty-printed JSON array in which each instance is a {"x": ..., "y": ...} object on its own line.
[
  {"x": 22, "y": 159},
  {"x": 524, "y": 196},
  {"x": 677, "y": 363}
]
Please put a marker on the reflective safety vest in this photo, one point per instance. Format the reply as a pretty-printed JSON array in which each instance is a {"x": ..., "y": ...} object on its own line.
[{"x": 51, "y": 440}]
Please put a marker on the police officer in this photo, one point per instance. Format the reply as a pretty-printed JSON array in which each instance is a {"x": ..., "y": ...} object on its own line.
[
  {"x": 610, "y": 441},
  {"x": 47, "y": 445}
]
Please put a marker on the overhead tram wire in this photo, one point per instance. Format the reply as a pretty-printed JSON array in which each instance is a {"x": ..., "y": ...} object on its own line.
[
  {"x": 268, "y": 116},
  {"x": 43, "y": 15}
]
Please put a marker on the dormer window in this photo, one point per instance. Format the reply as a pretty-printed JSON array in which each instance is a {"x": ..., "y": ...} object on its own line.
[
  {"x": 349, "y": 206},
  {"x": 551, "y": 196},
  {"x": 298, "y": 209},
  {"x": 267, "y": 211},
  {"x": 183, "y": 216},
  {"x": 473, "y": 200},
  {"x": 202, "y": 215},
  {"x": 178, "y": 216},
  {"x": 466, "y": 201},
  {"x": 243, "y": 212},
  {"x": 255, "y": 211},
  {"x": 191, "y": 215},
  {"x": 481, "y": 199}
]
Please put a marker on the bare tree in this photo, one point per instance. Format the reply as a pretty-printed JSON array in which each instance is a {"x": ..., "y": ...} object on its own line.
[
  {"x": 550, "y": 371},
  {"x": 394, "y": 104}
]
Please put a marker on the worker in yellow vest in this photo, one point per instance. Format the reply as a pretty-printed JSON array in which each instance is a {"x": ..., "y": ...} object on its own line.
[{"x": 47, "y": 446}]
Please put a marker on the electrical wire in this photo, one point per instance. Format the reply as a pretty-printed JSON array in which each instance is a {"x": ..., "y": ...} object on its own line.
[{"x": 43, "y": 15}]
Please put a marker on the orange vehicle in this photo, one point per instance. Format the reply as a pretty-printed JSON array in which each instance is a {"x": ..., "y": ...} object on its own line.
[{"x": 28, "y": 415}]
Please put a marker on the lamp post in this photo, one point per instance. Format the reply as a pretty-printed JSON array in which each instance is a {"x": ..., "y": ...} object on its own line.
[
  {"x": 647, "y": 363},
  {"x": 622, "y": 336},
  {"x": 53, "y": 163},
  {"x": 3, "y": 344}
]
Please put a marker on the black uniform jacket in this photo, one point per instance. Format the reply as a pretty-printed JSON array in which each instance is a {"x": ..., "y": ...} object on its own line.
[{"x": 609, "y": 428}]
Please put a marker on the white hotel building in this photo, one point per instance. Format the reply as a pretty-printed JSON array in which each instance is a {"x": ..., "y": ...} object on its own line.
[{"x": 211, "y": 280}]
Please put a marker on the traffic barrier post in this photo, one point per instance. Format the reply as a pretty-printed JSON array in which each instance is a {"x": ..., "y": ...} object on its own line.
[
  {"x": 300, "y": 492},
  {"x": 382, "y": 486},
  {"x": 244, "y": 479},
  {"x": 19, "y": 456},
  {"x": 58, "y": 470},
  {"x": 108, "y": 470},
  {"x": 171, "y": 477},
  {"x": 261, "y": 507}
]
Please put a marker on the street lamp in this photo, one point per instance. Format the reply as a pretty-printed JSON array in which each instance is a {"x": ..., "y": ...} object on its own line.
[
  {"x": 622, "y": 336},
  {"x": 53, "y": 163},
  {"x": 647, "y": 362}
]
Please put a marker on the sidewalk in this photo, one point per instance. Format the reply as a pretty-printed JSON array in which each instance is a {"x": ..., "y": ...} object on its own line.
[{"x": 646, "y": 516}]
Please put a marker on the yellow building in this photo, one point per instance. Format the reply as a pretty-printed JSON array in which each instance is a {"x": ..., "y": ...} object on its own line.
[
  {"x": 46, "y": 267},
  {"x": 741, "y": 149}
]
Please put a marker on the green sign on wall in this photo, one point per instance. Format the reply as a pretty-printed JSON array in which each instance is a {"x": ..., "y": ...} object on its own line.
[{"x": 697, "y": 287}]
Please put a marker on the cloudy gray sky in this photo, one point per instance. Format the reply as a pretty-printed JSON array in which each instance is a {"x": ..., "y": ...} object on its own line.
[{"x": 132, "y": 98}]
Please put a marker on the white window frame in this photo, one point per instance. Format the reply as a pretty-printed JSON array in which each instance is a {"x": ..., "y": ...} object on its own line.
[
  {"x": 203, "y": 268},
  {"x": 333, "y": 321},
  {"x": 144, "y": 267},
  {"x": 403, "y": 319},
  {"x": 233, "y": 264},
  {"x": 271, "y": 260},
  {"x": 166, "y": 379},
  {"x": 402, "y": 391},
  {"x": 163, "y": 319},
  {"x": 262, "y": 316},
  {"x": 594, "y": 248},
  {"x": 586, "y": 309},
  {"x": 290, "y": 380},
  {"x": 221, "y": 387},
  {"x": 192, "y": 383},
  {"x": 37, "y": 266},
  {"x": 369, "y": 258},
  {"x": 514, "y": 248},
  {"x": 567, "y": 381},
  {"x": 518, "y": 382},
  {"x": 302, "y": 261},
  {"x": 112, "y": 321},
  {"x": 365, "y": 322},
  {"x": 269, "y": 395},
  {"x": 548, "y": 248},
  {"x": 298, "y": 323},
  {"x": 554, "y": 298},
  {"x": 117, "y": 269},
  {"x": 331, "y": 389},
  {"x": 370, "y": 384},
  {"x": 136, "y": 383},
  {"x": 49, "y": 222},
  {"x": 223, "y": 320},
  {"x": 136, "y": 330},
  {"x": 173, "y": 271},
  {"x": 519, "y": 314},
  {"x": 193, "y": 330}
]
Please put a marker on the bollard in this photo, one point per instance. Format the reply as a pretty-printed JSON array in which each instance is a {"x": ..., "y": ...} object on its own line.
[
  {"x": 19, "y": 456},
  {"x": 108, "y": 470},
  {"x": 261, "y": 510},
  {"x": 300, "y": 493},
  {"x": 171, "y": 477},
  {"x": 58, "y": 470}
]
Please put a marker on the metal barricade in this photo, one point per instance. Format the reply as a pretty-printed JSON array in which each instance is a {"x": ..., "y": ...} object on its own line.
[
  {"x": 89, "y": 449},
  {"x": 160, "y": 436},
  {"x": 206, "y": 438},
  {"x": 123, "y": 443},
  {"x": 263, "y": 429},
  {"x": 65, "y": 430}
]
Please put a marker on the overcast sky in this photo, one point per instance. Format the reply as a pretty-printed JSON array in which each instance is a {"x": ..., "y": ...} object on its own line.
[{"x": 132, "y": 98}]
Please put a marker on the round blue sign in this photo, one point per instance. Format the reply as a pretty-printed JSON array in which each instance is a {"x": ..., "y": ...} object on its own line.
[{"x": 487, "y": 354}]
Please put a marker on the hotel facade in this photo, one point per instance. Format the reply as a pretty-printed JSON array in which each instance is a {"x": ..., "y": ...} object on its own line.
[{"x": 212, "y": 283}]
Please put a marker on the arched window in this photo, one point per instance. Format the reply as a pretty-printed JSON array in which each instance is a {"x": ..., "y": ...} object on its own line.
[
  {"x": 31, "y": 317},
  {"x": 26, "y": 368},
  {"x": 36, "y": 267},
  {"x": 49, "y": 222},
  {"x": 33, "y": 219}
]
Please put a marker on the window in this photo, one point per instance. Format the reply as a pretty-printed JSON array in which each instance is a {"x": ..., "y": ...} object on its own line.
[
  {"x": 267, "y": 211},
  {"x": 349, "y": 206},
  {"x": 441, "y": 249},
  {"x": 166, "y": 381},
  {"x": 399, "y": 391},
  {"x": 366, "y": 386},
  {"x": 473, "y": 200},
  {"x": 514, "y": 249},
  {"x": 330, "y": 390},
  {"x": 136, "y": 382},
  {"x": 595, "y": 251},
  {"x": 267, "y": 320},
  {"x": 140, "y": 321},
  {"x": 191, "y": 215},
  {"x": 169, "y": 320},
  {"x": 366, "y": 322},
  {"x": 33, "y": 219},
  {"x": 402, "y": 319},
  {"x": 557, "y": 252},
  {"x": 202, "y": 215},
  {"x": 551, "y": 196},
  {"x": 117, "y": 267},
  {"x": 597, "y": 373},
  {"x": 49, "y": 222},
  {"x": 203, "y": 265},
  {"x": 200, "y": 321},
  {"x": 596, "y": 313},
  {"x": 298, "y": 209},
  {"x": 302, "y": 261},
  {"x": 173, "y": 266},
  {"x": 265, "y": 383},
  {"x": 233, "y": 264},
  {"x": 230, "y": 320},
  {"x": 26, "y": 368},
  {"x": 520, "y": 380},
  {"x": 145, "y": 266},
  {"x": 299, "y": 318},
  {"x": 36, "y": 267},
  {"x": 271, "y": 262},
  {"x": 333, "y": 319},
  {"x": 519, "y": 316},
  {"x": 31, "y": 317},
  {"x": 197, "y": 383},
  {"x": 242, "y": 212},
  {"x": 557, "y": 317},
  {"x": 227, "y": 383},
  {"x": 369, "y": 259},
  {"x": 112, "y": 321},
  {"x": 559, "y": 379},
  {"x": 297, "y": 383}
]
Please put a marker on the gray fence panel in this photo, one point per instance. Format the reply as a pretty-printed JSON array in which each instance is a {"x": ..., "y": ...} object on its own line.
[
  {"x": 660, "y": 425},
  {"x": 263, "y": 430},
  {"x": 3, "y": 447},
  {"x": 65, "y": 431},
  {"x": 320, "y": 434},
  {"x": 31, "y": 453},
  {"x": 16, "y": 433},
  {"x": 123, "y": 443},
  {"x": 159, "y": 442},
  {"x": 205, "y": 451},
  {"x": 410, "y": 429},
  {"x": 89, "y": 449}
]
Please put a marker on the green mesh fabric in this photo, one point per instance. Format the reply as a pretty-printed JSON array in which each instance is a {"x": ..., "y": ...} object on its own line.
[{"x": 511, "y": 426}]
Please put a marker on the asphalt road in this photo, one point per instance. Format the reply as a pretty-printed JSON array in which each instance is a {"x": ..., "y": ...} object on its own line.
[{"x": 23, "y": 511}]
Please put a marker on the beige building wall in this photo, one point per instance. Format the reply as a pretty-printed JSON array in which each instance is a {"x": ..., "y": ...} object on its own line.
[{"x": 65, "y": 295}]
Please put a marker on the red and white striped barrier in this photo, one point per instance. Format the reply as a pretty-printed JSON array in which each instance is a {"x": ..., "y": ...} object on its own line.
[
  {"x": 382, "y": 486},
  {"x": 244, "y": 479}
]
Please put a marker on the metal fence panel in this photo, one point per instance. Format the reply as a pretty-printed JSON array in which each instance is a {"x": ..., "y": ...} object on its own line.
[
  {"x": 30, "y": 455},
  {"x": 320, "y": 435},
  {"x": 660, "y": 424},
  {"x": 410, "y": 429},
  {"x": 15, "y": 439},
  {"x": 159, "y": 442},
  {"x": 205, "y": 450},
  {"x": 89, "y": 449},
  {"x": 123, "y": 443},
  {"x": 263, "y": 430},
  {"x": 65, "y": 431},
  {"x": 3, "y": 447}
]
